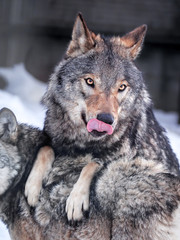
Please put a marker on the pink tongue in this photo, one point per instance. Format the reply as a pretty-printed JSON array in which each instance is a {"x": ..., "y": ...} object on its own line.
[{"x": 99, "y": 126}]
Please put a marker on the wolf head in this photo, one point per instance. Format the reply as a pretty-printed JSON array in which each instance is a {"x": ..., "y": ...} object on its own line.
[{"x": 96, "y": 89}]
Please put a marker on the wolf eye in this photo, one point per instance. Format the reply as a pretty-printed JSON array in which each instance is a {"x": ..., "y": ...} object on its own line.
[
  {"x": 122, "y": 87},
  {"x": 89, "y": 82}
]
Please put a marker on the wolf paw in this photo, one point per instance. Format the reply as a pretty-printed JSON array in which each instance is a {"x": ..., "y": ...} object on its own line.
[
  {"x": 32, "y": 191},
  {"x": 77, "y": 202}
]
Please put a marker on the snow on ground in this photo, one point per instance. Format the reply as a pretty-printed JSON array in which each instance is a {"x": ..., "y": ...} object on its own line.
[
  {"x": 23, "y": 93},
  {"x": 169, "y": 122}
]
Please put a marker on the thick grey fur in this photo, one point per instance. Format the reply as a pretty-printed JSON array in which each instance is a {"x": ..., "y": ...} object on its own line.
[{"x": 135, "y": 195}]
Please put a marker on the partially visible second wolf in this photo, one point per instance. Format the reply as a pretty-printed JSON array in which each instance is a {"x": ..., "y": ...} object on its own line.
[{"x": 98, "y": 111}]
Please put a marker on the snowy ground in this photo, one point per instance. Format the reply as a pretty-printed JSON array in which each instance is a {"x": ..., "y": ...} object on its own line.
[{"x": 23, "y": 93}]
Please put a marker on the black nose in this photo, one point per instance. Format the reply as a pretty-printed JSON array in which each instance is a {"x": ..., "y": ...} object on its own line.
[{"x": 106, "y": 117}]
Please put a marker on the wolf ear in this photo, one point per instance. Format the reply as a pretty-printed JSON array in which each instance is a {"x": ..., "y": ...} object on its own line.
[
  {"x": 8, "y": 125},
  {"x": 82, "y": 38},
  {"x": 133, "y": 41}
]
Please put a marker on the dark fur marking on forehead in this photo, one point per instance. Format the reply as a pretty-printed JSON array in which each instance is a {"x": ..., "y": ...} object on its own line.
[
  {"x": 108, "y": 48},
  {"x": 106, "y": 40}
]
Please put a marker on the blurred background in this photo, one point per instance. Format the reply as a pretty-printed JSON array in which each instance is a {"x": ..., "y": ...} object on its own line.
[{"x": 36, "y": 32}]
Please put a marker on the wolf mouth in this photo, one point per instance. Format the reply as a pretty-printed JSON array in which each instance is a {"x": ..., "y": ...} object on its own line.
[
  {"x": 95, "y": 133},
  {"x": 97, "y": 128}
]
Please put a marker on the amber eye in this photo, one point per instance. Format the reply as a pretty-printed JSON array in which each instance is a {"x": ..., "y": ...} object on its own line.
[
  {"x": 89, "y": 82},
  {"x": 122, "y": 87}
]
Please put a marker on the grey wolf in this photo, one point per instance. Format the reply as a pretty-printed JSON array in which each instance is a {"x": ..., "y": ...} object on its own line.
[{"x": 99, "y": 111}]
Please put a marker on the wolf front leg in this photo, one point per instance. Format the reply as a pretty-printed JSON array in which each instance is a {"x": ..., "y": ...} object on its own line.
[
  {"x": 41, "y": 168},
  {"x": 10, "y": 162},
  {"x": 78, "y": 200}
]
